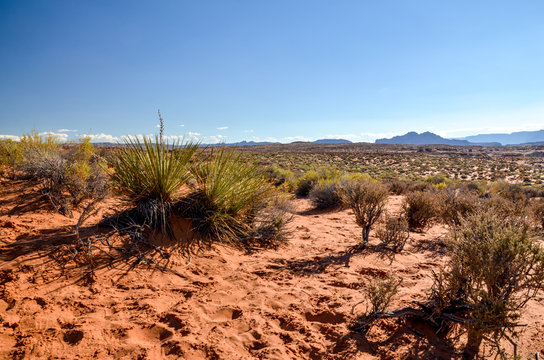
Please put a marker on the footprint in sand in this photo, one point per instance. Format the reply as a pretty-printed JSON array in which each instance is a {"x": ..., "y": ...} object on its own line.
[{"x": 226, "y": 314}]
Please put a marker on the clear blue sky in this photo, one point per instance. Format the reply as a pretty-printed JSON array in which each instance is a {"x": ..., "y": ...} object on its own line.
[{"x": 276, "y": 70}]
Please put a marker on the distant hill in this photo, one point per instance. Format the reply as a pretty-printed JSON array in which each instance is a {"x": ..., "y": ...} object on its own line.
[
  {"x": 428, "y": 138},
  {"x": 248, "y": 143},
  {"x": 515, "y": 138},
  {"x": 332, "y": 141}
]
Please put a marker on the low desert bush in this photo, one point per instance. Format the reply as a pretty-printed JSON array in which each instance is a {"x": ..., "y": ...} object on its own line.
[
  {"x": 439, "y": 181},
  {"x": 280, "y": 178},
  {"x": 509, "y": 191},
  {"x": 150, "y": 175},
  {"x": 537, "y": 212},
  {"x": 270, "y": 222},
  {"x": 229, "y": 195},
  {"x": 68, "y": 177},
  {"x": 325, "y": 194},
  {"x": 379, "y": 294},
  {"x": 457, "y": 204},
  {"x": 496, "y": 266},
  {"x": 397, "y": 187},
  {"x": 367, "y": 200},
  {"x": 309, "y": 179},
  {"x": 10, "y": 155},
  {"x": 420, "y": 209},
  {"x": 393, "y": 233}
]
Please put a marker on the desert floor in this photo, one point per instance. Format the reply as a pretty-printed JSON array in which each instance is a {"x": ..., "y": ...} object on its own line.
[{"x": 294, "y": 302}]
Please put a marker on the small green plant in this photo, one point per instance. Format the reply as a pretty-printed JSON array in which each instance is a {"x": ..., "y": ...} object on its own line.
[
  {"x": 367, "y": 200},
  {"x": 379, "y": 294},
  {"x": 420, "y": 209}
]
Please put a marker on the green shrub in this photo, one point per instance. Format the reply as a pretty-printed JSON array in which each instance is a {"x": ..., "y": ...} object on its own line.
[
  {"x": 229, "y": 195},
  {"x": 367, "y": 200},
  {"x": 307, "y": 181},
  {"x": 280, "y": 178},
  {"x": 420, "y": 209},
  {"x": 10, "y": 154},
  {"x": 150, "y": 175}
]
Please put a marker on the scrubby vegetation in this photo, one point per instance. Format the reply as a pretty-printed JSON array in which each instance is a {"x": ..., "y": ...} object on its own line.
[
  {"x": 420, "y": 209},
  {"x": 367, "y": 200},
  {"x": 393, "y": 233},
  {"x": 495, "y": 261}
]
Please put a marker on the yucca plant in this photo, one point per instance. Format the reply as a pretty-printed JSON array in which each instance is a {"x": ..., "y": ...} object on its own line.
[
  {"x": 230, "y": 191},
  {"x": 150, "y": 174}
]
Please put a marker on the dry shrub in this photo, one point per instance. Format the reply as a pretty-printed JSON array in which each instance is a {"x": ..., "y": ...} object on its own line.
[
  {"x": 420, "y": 209},
  {"x": 456, "y": 205},
  {"x": 367, "y": 200},
  {"x": 393, "y": 233},
  {"x": 537, "y": 212},
  {"x": 380, "y": 293},
  {"x": 397, "y": 187},
  {"x": 68, "y": 177},
  {"x": 325, "y": 194},
  {"x": 270, "y": 223},
  {"x": 496, "y": 266}
]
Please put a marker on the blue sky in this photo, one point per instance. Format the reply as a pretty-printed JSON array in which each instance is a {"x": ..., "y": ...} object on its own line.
[{"x": 271, "y": 70}]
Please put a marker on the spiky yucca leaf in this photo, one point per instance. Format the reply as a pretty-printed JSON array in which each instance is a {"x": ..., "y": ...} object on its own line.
[
  {"x": 230, "y": 190},
  {"x": 150, "y": 174}
]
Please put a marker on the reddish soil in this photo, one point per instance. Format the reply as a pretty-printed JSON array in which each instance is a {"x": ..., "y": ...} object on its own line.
[{"x": 294, "y": 302}]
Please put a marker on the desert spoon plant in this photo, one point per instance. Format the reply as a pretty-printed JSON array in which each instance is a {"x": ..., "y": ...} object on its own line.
[{"x": 150, "y": 174}]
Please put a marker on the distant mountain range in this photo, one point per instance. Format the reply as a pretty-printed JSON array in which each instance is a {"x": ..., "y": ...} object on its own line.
[
  {"x": 515, "y": 138},
  {"x": 248, "y": 143},
  {"x": 428, "y": 138}
]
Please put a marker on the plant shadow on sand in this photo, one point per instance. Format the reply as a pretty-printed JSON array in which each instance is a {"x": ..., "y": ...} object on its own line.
[
  {"x": 315, "y": 265},
  {"x": 101, "y": 248}
]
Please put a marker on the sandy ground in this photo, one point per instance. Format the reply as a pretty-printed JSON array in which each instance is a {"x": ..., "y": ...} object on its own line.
[{"x": 295, "y": 302}]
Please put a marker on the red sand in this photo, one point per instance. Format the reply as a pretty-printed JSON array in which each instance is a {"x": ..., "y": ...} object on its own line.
[{"x": 291, "y": 303}]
